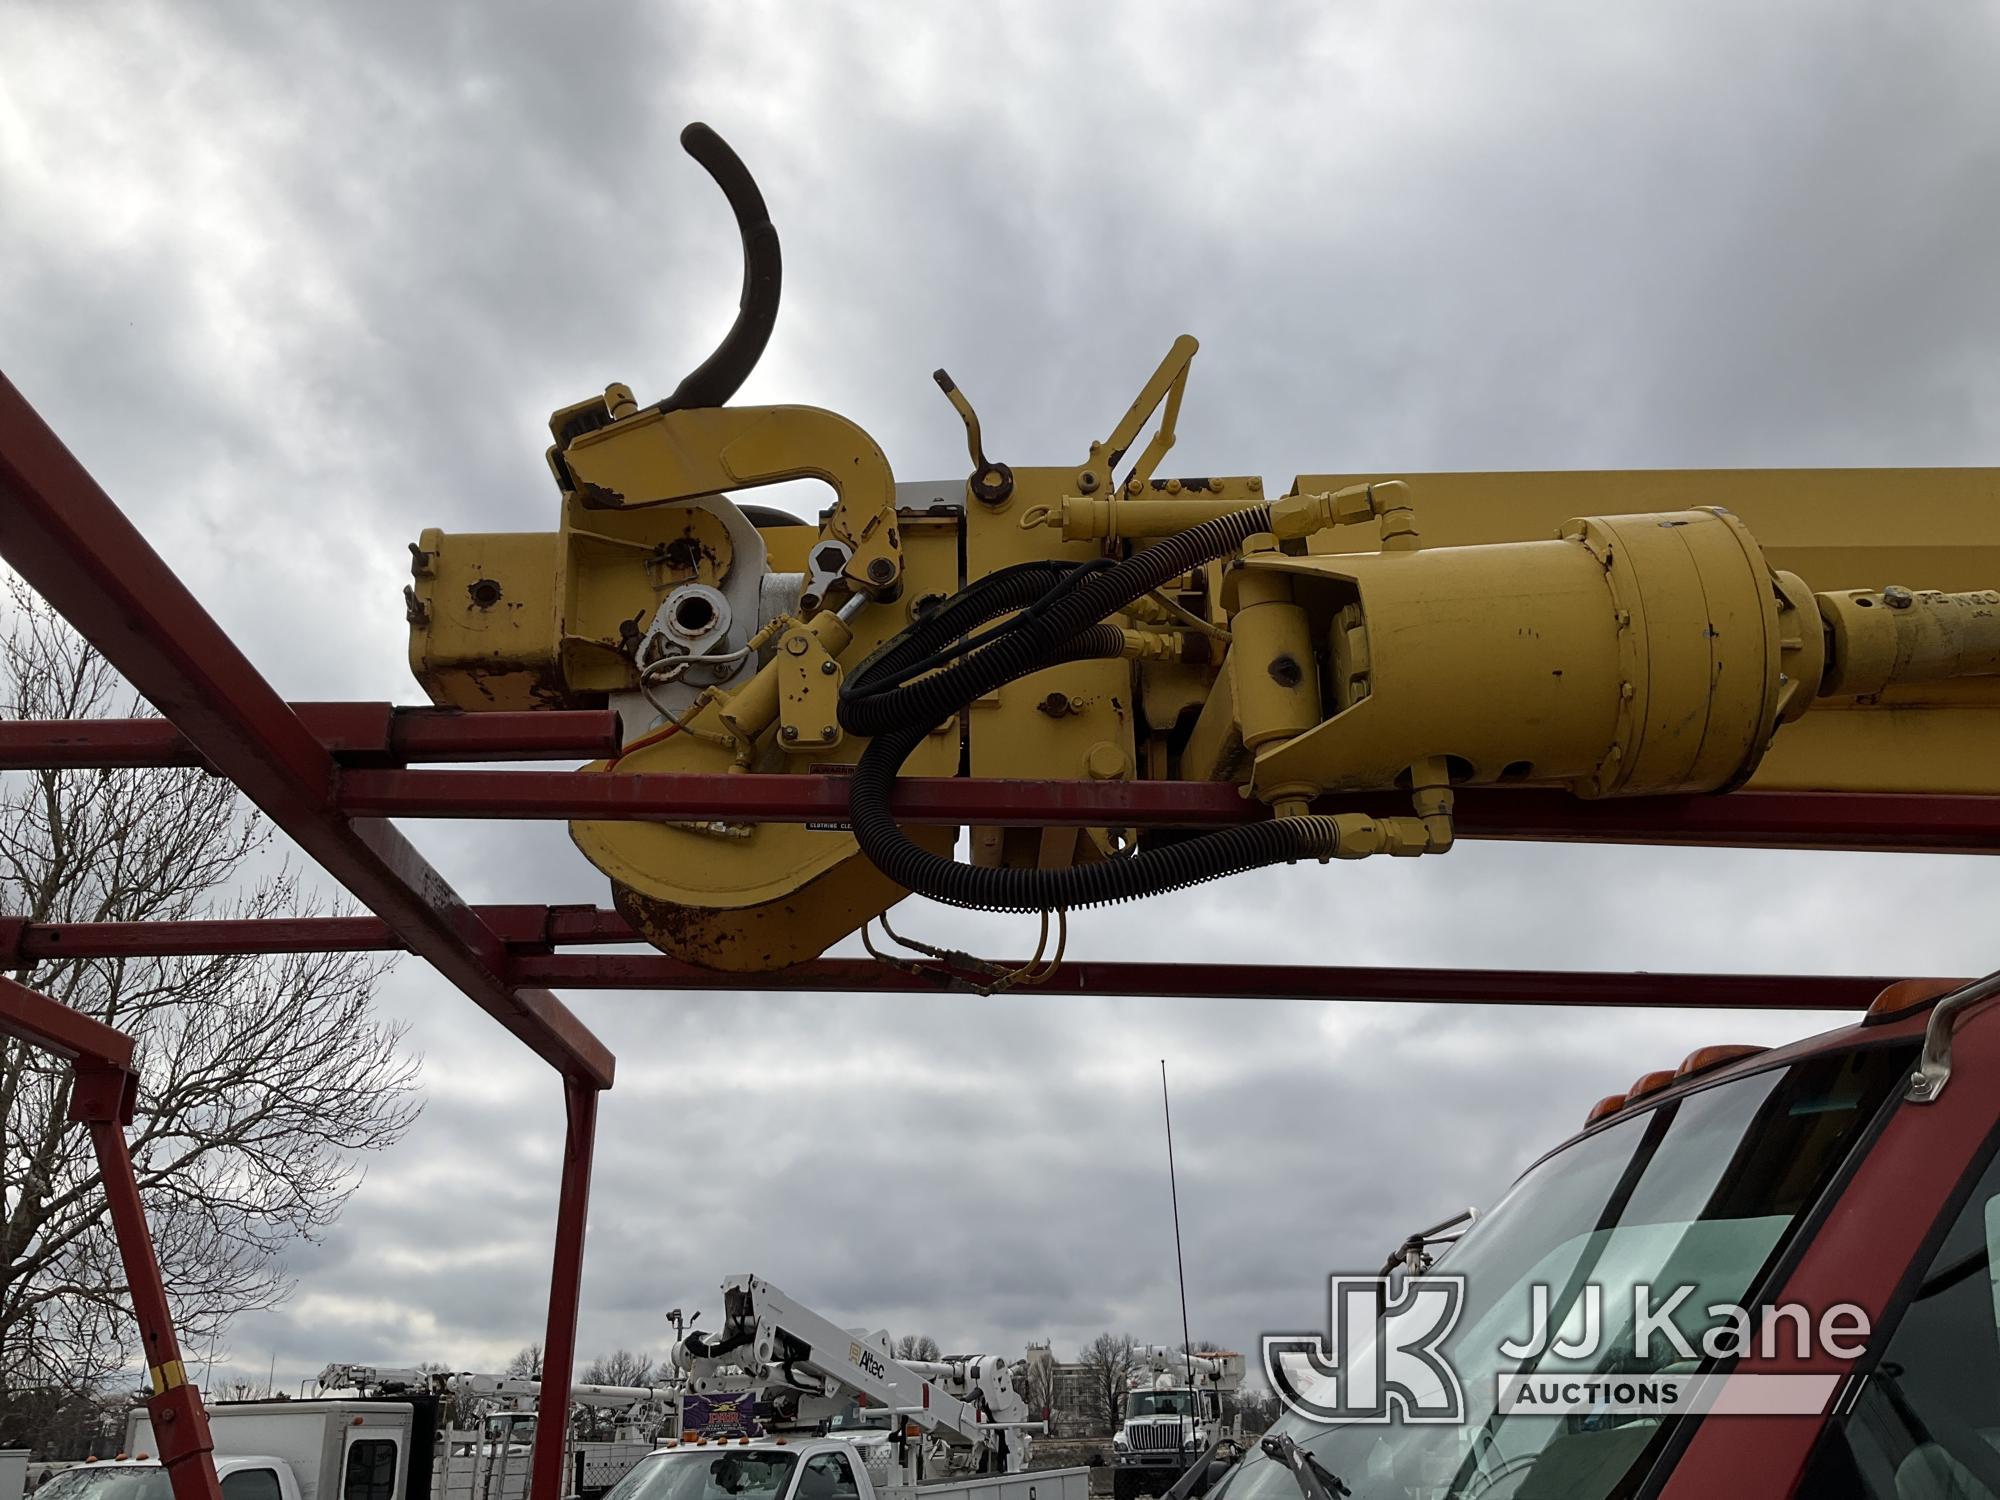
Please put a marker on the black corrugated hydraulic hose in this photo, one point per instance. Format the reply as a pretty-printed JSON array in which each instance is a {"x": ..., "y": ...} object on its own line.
[{"x": 933, "y": 669}]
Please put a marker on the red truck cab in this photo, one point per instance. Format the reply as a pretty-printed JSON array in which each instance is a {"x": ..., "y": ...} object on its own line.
[{"x": 1842, "y": 1191}]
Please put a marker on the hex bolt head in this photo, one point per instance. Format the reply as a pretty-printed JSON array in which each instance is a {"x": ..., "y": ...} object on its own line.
[
  {"x": 827, "y": 669},
  {"x": 1898, "y": 597},
  {"x": 1087, "y": 481},
  {"x": 789, "y": 732},
  {"x": 881, "y": 570}
]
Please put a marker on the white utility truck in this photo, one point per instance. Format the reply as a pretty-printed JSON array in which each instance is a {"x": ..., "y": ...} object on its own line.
[
  {"x": 894, "y": 1425},
  {"x": 818, "y": 1468},
  {"x": 243, "y": 1476},
  {"x": 1173, "y": 1412},
  {"x": 283, "y": 1450},
  {"x": 486, "y": 1455}
]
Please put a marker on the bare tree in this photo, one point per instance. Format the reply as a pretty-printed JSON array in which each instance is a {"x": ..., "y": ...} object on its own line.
[
  {"x": 527, "y": 1362},
  {"x": 1043, "y": 1382},
  {"x": 1107, "y": 1372},
  {"x": 263, "y": 1079},
  {"x": 620, "y": 1367},
  {"x": 916, "y": 1346},
  {"x": 1257, "y": 1407}
]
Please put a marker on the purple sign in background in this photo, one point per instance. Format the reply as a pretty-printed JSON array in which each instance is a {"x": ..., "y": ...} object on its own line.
[{"x": 734, "y": 1413}]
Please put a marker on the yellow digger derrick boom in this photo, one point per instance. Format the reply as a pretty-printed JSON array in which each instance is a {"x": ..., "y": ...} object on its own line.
[{"x": 1610, "y": 633}]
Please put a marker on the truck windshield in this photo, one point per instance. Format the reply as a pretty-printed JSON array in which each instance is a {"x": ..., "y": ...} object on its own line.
[
  {"x": 1159, "y": 1404},
  {"x": 121, "y": 1483},
  {"x": 706, "y": 1474},
  {"x": 516, "y": 1428},
  {"x": 854, "y": 1418},
  {"x": 1702, "y": 1191}
]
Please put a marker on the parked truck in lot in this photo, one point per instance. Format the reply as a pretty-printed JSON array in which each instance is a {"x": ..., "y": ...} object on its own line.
[
  {"x": 825, "y": 1468},
  {"x": 244, "y": 1476},
  {"x": 806, "y": 1375},
  {"x": 1173, "y": 1413},
  {"x": 312, "y": 1450}
]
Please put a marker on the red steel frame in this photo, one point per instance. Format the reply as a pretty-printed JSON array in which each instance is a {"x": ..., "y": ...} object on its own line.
[
  {"x": 331, "y": 775},
  {"x": 103, "y": 1092}
]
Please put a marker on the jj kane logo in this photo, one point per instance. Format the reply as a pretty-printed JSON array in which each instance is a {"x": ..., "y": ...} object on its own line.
[{"x": 1383, "y": 1357}]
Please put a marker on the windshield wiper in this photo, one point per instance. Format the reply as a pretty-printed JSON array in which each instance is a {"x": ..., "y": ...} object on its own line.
[{"x": 1315, "y": 1480}]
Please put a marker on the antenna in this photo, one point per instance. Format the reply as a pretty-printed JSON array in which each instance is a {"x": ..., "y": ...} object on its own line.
[{"x": 1173, "y": 1187}]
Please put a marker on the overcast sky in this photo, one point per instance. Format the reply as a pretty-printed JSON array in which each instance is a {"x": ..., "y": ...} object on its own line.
[{"x": 295, "y": 282}]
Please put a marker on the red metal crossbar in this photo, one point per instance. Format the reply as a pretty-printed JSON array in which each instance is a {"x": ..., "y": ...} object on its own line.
[
  {"x": 1776, "y": 820},
  {"x": 354, "y": 734},
  {"x": 536, "y": 930}
]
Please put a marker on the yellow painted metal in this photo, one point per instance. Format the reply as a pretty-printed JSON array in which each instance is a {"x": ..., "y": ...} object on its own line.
[
  {"x": 1274, "y": 683},
  {"x": 1085, "y": 520},
  {"x": 1636, "y": 654},
  {"x": 616, "y": 567},
  {"x": 808, "y": 688},
  {"x": 656, "y": 456},
  {"x": 1168, "y": 383},
  {"x": 540, "y": 620},
  {"x": 1839, "y": 529},
  {"x": 1045, "y": 725},
  {"x": 1836, "y": 528},
  {"x": 1898, "y": 636},
  {"x": 747, "y": 897},
  {"x": 1471, "y": 631},
  {"x": 483, "y": 621}
]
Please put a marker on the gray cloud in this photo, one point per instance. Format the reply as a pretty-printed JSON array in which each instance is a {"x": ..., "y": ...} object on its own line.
[{"x": 296, "y": 286}]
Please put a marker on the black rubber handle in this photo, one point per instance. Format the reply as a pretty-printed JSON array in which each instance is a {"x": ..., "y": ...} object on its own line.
[{"x": 722, "y": 374}]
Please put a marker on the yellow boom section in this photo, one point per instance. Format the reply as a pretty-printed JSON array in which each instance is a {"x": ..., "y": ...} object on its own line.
[{"x": 1840, "y": 529}]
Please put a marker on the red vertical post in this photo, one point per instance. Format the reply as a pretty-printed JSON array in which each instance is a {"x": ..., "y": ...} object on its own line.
[
  {"x": 565, "y": 1290},
  {"x": 102, "y": 1099}
]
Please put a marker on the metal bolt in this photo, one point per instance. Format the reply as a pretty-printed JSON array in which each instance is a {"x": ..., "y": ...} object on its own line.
[
  {"x": 1898, "y": 597},
  {"x": 789, "y": 732},
  {"x": 826, "y": 733},
  {"x": 1625, "y": 691},
  {"x": 1086, "y": 481},
  {"x": 796, "y": 644},
  {"x": 1256, "y": 485},
  {"x": 827, "y": 669},
  {"x": 881, "y": 570}
]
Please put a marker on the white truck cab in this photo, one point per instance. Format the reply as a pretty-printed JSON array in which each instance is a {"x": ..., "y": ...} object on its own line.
[{"x": 244, "y": 1476}]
